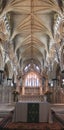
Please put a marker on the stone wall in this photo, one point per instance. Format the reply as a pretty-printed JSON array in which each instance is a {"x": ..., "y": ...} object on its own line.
[{"x": 6, "y": 95}]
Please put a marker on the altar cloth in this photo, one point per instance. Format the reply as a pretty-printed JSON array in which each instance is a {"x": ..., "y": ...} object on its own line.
[{"x": 21, "y": 112}]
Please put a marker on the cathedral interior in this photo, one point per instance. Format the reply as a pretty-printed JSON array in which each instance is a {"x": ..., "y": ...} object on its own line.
[{"x": 32, "y": 51}]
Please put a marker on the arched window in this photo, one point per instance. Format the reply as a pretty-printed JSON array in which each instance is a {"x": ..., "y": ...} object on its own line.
[{"x": 32, "y": 80}]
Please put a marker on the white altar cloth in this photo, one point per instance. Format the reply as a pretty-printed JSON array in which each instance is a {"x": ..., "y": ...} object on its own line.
[{"x": 20, "y": 112}]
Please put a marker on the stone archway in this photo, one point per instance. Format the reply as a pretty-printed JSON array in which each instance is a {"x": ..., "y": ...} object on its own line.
[{"x": 6, "y": 71}]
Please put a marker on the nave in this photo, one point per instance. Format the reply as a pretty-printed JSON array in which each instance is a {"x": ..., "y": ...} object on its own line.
[{"x": 32, "y": 64}]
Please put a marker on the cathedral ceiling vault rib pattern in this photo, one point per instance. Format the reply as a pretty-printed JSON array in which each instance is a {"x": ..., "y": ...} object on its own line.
[{"x": 32, "y": 26}]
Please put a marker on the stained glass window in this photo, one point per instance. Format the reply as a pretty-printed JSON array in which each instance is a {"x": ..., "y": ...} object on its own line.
[{"x": 32, "y": 80}]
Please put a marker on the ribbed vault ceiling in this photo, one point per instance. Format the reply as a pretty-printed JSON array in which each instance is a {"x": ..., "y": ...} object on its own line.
[{"x": 32, "y": 23}]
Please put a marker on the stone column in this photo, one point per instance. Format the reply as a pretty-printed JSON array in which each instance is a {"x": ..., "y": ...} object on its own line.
[
  {"x": 9, "y": 93},
  {"x": 23, "y": 90},
  {"x": 40, "y": 90},
  {"x": 3, "y": 94},
  {"x": 23, "y": 87},
  {"x": 46, "y": 84}
]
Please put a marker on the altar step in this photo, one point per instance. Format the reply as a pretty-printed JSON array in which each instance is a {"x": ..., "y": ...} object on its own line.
[{"x": 36, "y": 98}]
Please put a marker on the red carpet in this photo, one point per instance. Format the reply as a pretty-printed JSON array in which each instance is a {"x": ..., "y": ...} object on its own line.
[
  {"x": 33, "y": 126},
  {"x": 7, "y": 124}
]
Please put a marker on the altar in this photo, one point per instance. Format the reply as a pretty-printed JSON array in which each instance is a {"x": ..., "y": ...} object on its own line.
[{"x": 32, "y": 112}]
